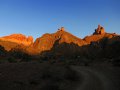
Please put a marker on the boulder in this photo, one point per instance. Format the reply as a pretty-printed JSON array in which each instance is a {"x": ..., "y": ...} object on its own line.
[{"x": 100, "y": 30}]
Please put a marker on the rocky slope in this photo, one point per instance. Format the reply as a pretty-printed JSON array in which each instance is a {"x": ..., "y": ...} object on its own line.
[
  {"x": 47, "y": 41},
  {"x": 98, "y": 35},
  {"x": 62, "y": 43},
  {"x": 18, "y": 38},
  {"x": 15, "y": 40}
]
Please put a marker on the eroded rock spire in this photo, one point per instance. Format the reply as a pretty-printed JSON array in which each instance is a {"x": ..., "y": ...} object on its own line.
[{"x": 100, "y": 30}]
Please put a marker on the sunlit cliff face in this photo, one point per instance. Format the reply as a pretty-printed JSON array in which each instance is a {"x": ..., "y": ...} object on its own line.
[
  {"x": 19, "y": 39},
  {"x": 48, "y": 41}
]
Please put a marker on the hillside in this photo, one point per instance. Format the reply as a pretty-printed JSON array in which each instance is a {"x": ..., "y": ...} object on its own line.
[
  {"x": 18, "y": 39},
  {"x": 64, "y": 44},
  {"x": 60, "y": 61},
  {"x": 47, "y": 41}
]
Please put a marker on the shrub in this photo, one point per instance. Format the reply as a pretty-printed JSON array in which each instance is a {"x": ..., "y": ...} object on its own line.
[
  {"x": 12, "y": 60},
  {"x": 20, "y": 55},
  {"x": 2, "y": 51}
]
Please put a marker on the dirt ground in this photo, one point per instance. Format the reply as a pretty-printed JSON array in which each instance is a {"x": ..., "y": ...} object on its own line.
[
  {"x": 98, "y": 77},
  {"x": 45, "y": 76},
  {"x": 36, "y": 76}
]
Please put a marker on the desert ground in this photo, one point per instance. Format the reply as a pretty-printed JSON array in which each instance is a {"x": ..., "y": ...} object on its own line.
[{"x": 46, "y": 76}]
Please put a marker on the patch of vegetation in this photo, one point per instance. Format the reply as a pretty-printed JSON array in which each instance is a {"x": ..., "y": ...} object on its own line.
[
  {"x": 3, "y": 60},
  {"x": 12, "y": 60},
  {"x": 56, "y": 78},
  {"x": 3, "y": 52}
]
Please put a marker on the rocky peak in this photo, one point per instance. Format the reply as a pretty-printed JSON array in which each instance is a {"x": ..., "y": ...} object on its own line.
[
  {"x": 61, "y": 29},
  {"x": 47, "y": 41},
  {"x": 99, "y": 31},
  {"x": 18, "y": 38},
  {"x": 30, "y": 38}
]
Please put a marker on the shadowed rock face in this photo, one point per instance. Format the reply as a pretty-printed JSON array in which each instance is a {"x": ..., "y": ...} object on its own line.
[
  {"x": 47, "y": 41},
  {"x": 66, "y": 42},
  {"x": 19, "y": 39}
]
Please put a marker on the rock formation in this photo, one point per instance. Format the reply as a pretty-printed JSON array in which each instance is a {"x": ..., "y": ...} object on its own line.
[
  {"x": 100, "y": 30},
  {"x": 18, "y": 38},
  {"x": 98, "y": 35},
  {"x": 47, "y": 41},
  {"x": 61, "y": 29},
  {"x": 59, "y": 42}
]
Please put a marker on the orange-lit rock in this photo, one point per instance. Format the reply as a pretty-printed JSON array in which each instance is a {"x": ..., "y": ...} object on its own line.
[
  {"x": 18, "y": 38},
  {"x": 98, "y": 35},
  {"x": 100, "y": 30},
  {"x": 47, "y": 41},
  {"x": 60, "y": 42}
]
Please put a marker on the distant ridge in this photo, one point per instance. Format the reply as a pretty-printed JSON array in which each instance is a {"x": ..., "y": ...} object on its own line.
[
  {"x": 18, "y": 38},
  {"x": 59, "y": 41}
]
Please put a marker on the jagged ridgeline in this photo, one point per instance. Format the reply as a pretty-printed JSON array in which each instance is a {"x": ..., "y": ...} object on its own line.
[{"x": 63, "y": 44}]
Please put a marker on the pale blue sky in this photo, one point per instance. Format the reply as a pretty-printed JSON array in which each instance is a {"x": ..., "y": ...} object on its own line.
[{"x": 79, "y": 17}]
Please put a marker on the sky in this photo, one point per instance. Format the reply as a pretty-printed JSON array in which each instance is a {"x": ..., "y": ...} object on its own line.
[{"x": 79, "y": 17}]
